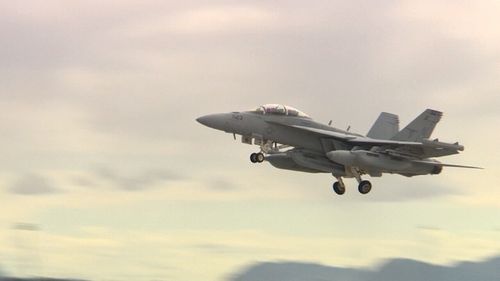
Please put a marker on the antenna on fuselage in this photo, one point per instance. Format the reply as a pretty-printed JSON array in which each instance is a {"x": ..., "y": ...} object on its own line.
[
  {"x": 330, "y": 123},
  {"x": 348, "y": 128},
  {"x": 234, "y": 136}
]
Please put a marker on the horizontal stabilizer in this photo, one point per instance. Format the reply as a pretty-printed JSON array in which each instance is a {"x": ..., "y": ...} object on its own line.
[
  {"x": 460, "y": 166},
  {"x": 385, "y": 127},
  {"x": 446, "y": 165}
]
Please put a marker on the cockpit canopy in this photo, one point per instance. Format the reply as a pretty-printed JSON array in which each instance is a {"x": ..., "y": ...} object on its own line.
[{"x": 278, "y": 109}]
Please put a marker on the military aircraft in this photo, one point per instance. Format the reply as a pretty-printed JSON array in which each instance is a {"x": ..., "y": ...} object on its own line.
[{"x": 290, "y": 139}]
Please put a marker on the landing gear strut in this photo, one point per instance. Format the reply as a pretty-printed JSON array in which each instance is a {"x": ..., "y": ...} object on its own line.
[{"x": 257, "y": 157}]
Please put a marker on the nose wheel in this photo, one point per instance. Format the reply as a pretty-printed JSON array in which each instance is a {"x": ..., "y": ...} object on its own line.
[{"x": 257, "y": 157}]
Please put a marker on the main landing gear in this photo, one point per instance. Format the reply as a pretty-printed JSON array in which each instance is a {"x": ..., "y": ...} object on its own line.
[
  {"x": 257, "y": 157},
  {"x": 364, "y": 186}
]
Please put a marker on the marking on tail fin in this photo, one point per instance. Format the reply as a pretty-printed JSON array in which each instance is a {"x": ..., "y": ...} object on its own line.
[{"x": 421, "y": 127}]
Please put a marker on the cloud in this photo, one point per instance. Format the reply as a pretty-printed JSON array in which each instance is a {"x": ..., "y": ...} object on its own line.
[
  {"x": 83, "y": 181},
  {"x": 214, "y": 248},
  {"x": 144, "y": 180},
  {"x": 33, "y": 184},
  {"x": 210, "y": 19},
  {"x": 428, "y": 228},
  {"x": 221, "y": 184},
  {"x": 130, "y": 86}
]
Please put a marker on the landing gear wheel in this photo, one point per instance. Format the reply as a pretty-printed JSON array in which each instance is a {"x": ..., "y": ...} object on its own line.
[
  {"x": 338, "y": 188},
  {"x": 364, "y": 187},
  {"x": 259, "y": 157},
  {"x": 253, "y": 157}
]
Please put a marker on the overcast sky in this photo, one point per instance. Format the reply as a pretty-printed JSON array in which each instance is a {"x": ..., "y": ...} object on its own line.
[{"x": 100, "y": 149}]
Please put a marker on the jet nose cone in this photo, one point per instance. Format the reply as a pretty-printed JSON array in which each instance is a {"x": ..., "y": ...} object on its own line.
[
  {"x": 218, "y": 121},
  {"x": 204, "y": 120}
]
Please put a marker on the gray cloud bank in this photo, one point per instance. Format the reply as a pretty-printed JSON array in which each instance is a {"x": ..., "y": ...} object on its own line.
[
  {"x": 101, "y": 82},
  {"x": 131, "y": 181},
  {"x": 33, "y": 184},
  {"x": 392, "y": 270},
  {"x": 130, "y": 70}
]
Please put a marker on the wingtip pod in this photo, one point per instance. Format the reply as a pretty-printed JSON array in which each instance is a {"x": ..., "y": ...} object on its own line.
[
  {"x": 445, "y": 145},
  {"x": 459, "y": 147}
]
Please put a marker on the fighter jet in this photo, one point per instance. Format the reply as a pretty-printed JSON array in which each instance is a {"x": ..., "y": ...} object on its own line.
[{"x": 290, "y": 139}]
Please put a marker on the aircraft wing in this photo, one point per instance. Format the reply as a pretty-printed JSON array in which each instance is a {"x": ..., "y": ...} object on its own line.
[
  {"x": 356, "y": 140},
  {"x": 424, "y": 149},
  {"x": 326, "y": 133},
  {"x": 374, "y": 142}
]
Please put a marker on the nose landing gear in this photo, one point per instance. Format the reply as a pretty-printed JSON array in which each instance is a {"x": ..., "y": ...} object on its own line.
[{"x": 257, "y": 157}]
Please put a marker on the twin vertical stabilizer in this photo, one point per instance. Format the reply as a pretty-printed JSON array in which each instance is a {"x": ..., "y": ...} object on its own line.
[{"x": 386, "y": 127}]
